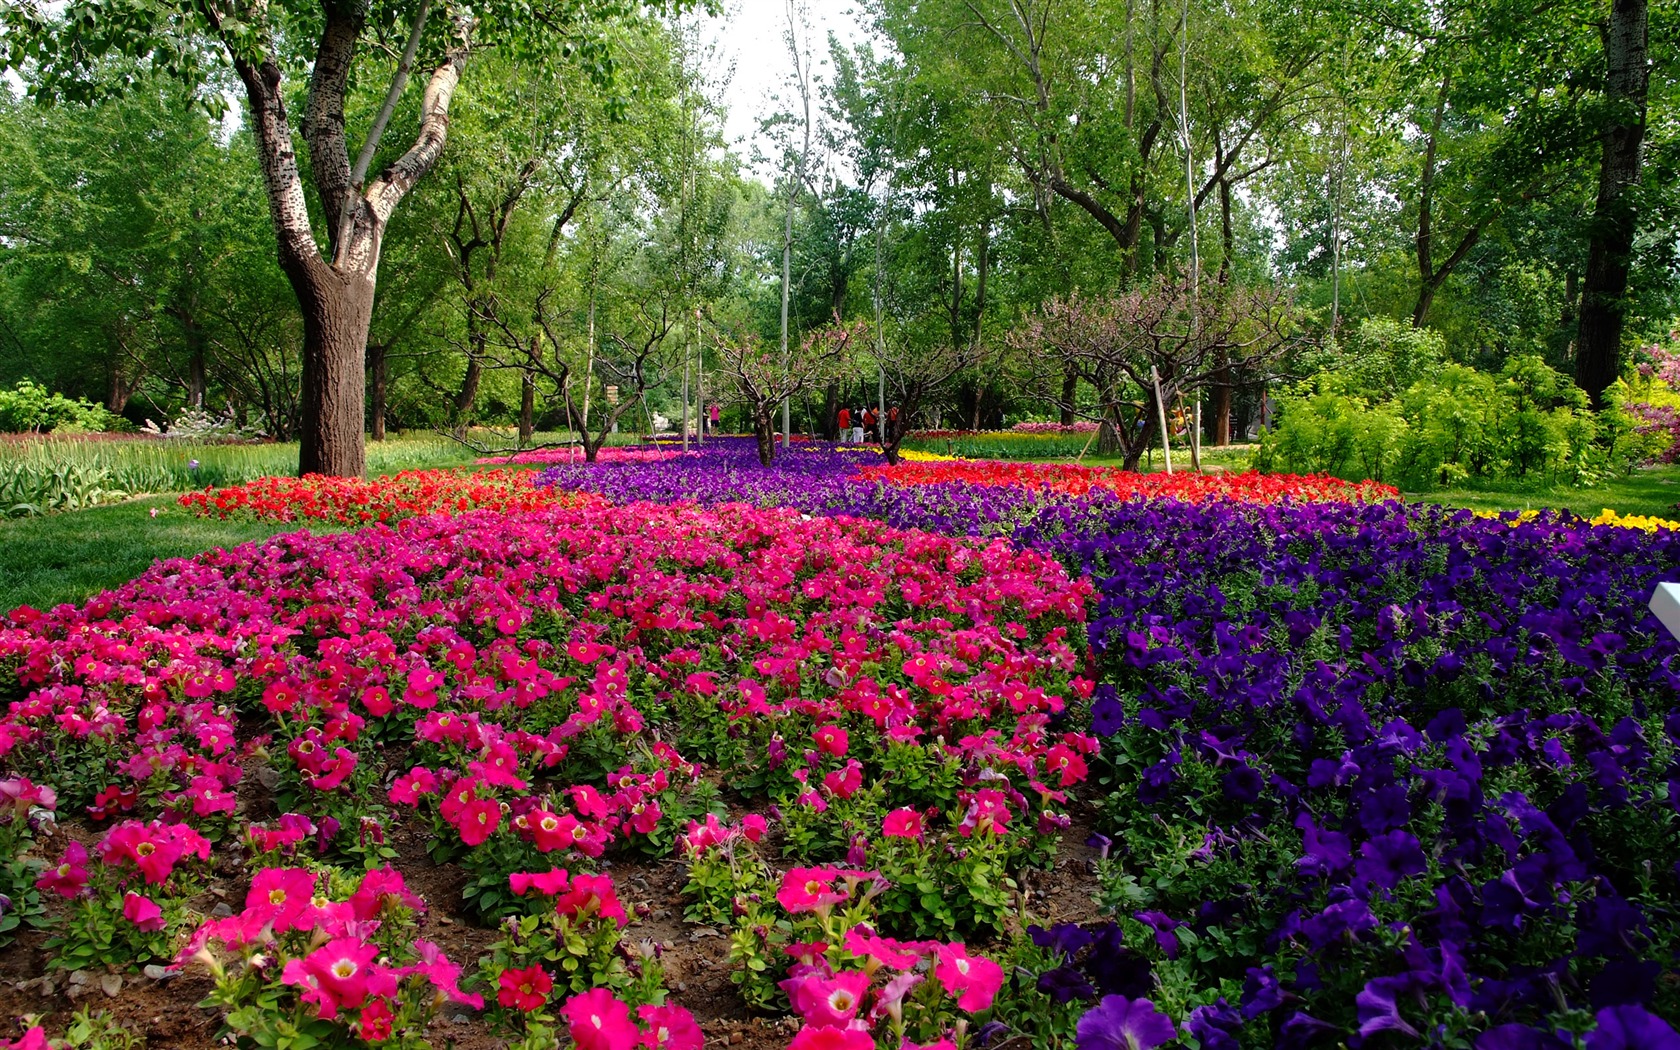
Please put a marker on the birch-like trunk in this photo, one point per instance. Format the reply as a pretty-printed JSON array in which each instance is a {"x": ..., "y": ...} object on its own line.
[{"x": 335, "y": 287}]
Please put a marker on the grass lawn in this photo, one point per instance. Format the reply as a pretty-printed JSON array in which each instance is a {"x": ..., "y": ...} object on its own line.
[
  {"x": 1653, "y": 491},
  {"x": 70, "y": 557}
]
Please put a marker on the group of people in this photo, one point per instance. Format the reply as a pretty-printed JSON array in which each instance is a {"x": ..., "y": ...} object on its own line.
[{"x": 865, "y": 421}]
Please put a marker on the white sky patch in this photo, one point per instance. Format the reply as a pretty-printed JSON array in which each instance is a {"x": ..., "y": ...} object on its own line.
[{"x": 751, "y": 36}]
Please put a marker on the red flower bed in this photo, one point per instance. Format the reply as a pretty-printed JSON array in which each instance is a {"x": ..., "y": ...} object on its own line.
[
  {"x": 1249, "y": 487},
  {"x": 352, "y": 501}
]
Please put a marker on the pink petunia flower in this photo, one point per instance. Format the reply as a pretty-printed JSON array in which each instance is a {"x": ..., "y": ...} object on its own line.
[
  {"x": 809, "y": 889},
  {"x": 524, "y": 989},
  {"x": 903, "y": 823},
  {"x": 70, "y": 877},
  {"x": 972, "y": 980},
  {"x": 670, "y": 1027},
  {"x": 827, "y": 1000},
  {"x": 599, "y": 1021},
  {"x": 143, "y": 912},
  {"x": 284, "y": 898}
]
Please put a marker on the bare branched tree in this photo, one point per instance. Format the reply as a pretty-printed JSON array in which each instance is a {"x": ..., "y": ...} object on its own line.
[
  {"x": 914, "y": 376},
  {"x": 1119, "y": 343},
  {"x": 764, "y": 379}
]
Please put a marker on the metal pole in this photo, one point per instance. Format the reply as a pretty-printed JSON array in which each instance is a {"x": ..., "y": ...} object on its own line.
[
  {"x": 1161, "y": 417},
  {"x": 1196, "y": 436}
]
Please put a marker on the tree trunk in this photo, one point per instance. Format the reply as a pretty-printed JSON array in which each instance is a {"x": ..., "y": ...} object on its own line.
[
  {"x": 1222, "y": 400},
  {"x": 468, "y": 393},
  {"x": 764, "y": 431},
  {"x": 197, "y": 342},
  {"x": 527, "y": 409},
  {"x": 831, "y": 412},
  {"x": 1222, "y": 377},
  {"x": 335, "y": 290},
  {"x": 117, "y": 399},
  {"x": 376, "y": 391},
  {"x": 1603, "y": 310},
  {"x": 1108, "y": 440},
  {"x": 337, "y": 308},
  {"x": 1070, "y": 390}
]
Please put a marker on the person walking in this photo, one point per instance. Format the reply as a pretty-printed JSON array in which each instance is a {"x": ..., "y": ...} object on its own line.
[
  {"x": 714, "y": 415},
  {"x": 857, "y": 431},
  {"x": 871, "y": 424},
  {"x": 844, "y": 431}
]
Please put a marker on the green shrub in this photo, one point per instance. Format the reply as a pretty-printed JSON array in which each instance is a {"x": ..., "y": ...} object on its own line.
[
  {"x": 1455, "y": 425},
  {"x": 30, "y": 408},
  {"x": 1381, "y": 359},
  {"x": 1325, "y": 430}
]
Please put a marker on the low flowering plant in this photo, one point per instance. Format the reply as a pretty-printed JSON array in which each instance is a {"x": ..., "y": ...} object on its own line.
[
  {"x": 352, "y": 501},
  {"x": 310, "y": 958},
  {"x": 129, "y": 896},
  {"x": 27, "y": 810},
  {"x": 571, "y": 944},
  {"x": 725, "y": 868}
]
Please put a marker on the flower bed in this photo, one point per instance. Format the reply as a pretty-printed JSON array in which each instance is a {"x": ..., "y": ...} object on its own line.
[
  {"x": 352, "y": 501},
  {"x": 1247, "y": 487},
  {"x": 1361, "y": 773},
  {"x": 574, "y": 454},
  {"x": 530, "y": 693}
]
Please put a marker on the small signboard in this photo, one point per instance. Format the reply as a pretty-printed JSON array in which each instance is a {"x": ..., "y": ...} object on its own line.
[{"x": 1665, "y": 604}]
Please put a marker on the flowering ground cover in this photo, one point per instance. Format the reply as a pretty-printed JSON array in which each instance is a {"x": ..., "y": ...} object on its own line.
[
  {"x": 352, "y": 501},
  {"x": 572, "y": 454},
  {"x": 1248, "y": 487},
  {"x": 532, "y": 695},
  {"x": 1352, "y": 773}
]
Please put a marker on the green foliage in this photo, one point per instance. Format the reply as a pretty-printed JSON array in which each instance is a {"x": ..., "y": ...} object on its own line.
[
  {"x": 31, "y": 408},
  {"x": 96, "y": 1031},
  {"x": 50, "y": 474},
  {"x": 1322, "y": 430},
  {"x": 1458, "y": 424},
  {"x": 1382, "y": 359}
]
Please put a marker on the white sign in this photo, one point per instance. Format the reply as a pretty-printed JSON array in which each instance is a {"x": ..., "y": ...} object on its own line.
[{"x": 1665, "y": 603}]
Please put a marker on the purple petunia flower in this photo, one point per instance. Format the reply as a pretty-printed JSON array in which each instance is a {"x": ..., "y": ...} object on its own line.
[
  {"x": 1631, "y": 1028},
  {"x": 1215, "y": 1027},
  {"x": 1119, "y": 1023},
  {"x": 1163, "y": 925},
  {"x": 1520, "y": 1037},
  {"x": 1386, "y": 859}
]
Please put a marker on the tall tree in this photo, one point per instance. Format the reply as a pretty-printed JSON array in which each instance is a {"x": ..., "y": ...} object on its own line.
[
  {"x": 1610, "y": 248},
  {"x": 332, "y": 271}
]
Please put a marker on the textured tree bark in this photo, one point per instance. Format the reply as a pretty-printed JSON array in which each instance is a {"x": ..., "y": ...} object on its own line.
[
  {"x": 831, "y": 412},
  {"x": 335, "y": 291},
  {"x": 1599, "y": 338},
  {"x": 337, "y": 309},
  {"x": 527, "y": 409},
  {"x": 764, "y": 431},
  {"x": 1222, "y": 401},
  {"x": 1070, "y": 390},
  {"x": 468, "y": 393}
]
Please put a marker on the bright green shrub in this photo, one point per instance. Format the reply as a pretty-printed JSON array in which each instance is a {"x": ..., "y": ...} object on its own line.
[
  {"x": 1381, "y": 359},
  {"x": 1324, "y": 430},
  {"x": 32, "y": 408},
  {"x": 1456, "y": 424}
]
